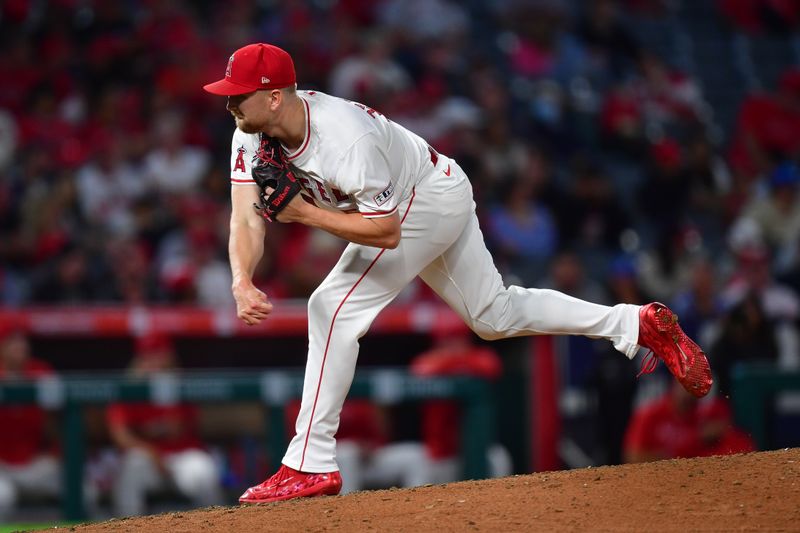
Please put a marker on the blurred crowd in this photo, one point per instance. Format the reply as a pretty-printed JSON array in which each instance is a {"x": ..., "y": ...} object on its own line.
[
  {"x": 595, "y": 160},
  {"x": 577, "y": 138}
]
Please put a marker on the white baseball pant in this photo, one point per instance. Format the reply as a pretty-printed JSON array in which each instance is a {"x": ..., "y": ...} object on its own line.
[{"x": 442, "y": 243}]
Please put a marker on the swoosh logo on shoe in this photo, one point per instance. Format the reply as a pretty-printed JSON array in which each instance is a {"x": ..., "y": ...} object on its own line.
[
  {"x": 447, "y": 172},
  {"x": 285, "y": 481},
  {"x": 686, "y": 360}
]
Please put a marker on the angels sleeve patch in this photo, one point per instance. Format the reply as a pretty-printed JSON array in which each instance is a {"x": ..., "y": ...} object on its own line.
[
  {"x": 238, "y": 166},
  {"x": 387, "y": 193}
]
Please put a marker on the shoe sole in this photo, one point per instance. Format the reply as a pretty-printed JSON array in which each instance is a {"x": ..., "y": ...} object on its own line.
[
  {"x": 331, "y": 490},
  {"x": 696, "y": 377}
]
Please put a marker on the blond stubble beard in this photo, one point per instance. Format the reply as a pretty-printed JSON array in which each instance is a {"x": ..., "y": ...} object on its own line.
[{"x": 246, "y": 126}]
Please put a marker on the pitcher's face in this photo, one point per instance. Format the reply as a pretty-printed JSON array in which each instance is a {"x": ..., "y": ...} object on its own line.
[{"x": 250, "y": 111}]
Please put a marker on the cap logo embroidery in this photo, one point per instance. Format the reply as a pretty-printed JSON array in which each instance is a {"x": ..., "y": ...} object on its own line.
[
  {"x": 230, "y": 66},
  {"x": 264, "y": 80}
]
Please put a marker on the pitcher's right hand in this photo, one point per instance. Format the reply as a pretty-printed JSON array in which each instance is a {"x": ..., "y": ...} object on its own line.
[{"x": 252, "y": 305}]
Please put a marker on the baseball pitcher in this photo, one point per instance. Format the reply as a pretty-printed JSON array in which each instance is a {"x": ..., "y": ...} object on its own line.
[{"x": 407, "y": 211}]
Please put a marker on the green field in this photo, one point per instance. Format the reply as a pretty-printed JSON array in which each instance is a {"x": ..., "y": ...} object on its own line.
[{"x": 9, "y": 528}]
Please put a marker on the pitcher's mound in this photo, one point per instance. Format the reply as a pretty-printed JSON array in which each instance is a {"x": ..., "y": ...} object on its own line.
[{"x": 756, "y": 491}]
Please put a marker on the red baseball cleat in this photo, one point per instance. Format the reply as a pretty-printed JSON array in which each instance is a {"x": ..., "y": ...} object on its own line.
[
  {"x": 660, "y": 333},
  {"x": 288, "y": 483}
]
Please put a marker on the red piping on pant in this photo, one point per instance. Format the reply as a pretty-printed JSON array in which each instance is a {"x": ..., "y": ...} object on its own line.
[{"x": 330, "y": 334}]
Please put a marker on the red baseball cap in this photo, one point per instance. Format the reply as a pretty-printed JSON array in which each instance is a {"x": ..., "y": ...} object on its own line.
[{"x": 253, "y": 67}]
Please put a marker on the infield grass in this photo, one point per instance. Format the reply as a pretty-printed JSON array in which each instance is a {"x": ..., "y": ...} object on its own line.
[{"x": 11, "y": 528}]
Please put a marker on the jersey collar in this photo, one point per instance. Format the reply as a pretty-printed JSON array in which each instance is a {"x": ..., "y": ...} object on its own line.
[{"x": 292, "y": 157}]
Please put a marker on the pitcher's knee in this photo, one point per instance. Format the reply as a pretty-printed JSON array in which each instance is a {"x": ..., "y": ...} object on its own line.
[
  {"x": 321, "y": 305},
  {"x": 486, "y": 331},
  {"x": 488, "y": 326},
  {"x": 325, "y": 306},
  {"x": 492, "y": 322}
]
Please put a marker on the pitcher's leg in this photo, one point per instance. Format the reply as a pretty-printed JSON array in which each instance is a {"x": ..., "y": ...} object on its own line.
[
  {"x": 341, "y": 310},
  {"x": 337, "y": 318},
  {"x": 466, "y": 278}
]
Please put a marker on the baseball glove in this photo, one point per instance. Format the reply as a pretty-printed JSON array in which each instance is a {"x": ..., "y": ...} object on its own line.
[{"x": 271, "y": 171}]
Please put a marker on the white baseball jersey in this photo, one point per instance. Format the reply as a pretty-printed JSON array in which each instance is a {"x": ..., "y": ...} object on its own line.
[{"x": 355, "y": 159}]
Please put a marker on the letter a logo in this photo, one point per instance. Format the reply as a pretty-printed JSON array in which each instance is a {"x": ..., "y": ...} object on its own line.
[
  {"x": 230, "y": 65},
  {"x": 239, "y": 164}
]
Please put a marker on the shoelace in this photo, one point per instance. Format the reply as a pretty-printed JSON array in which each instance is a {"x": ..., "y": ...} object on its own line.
[
  {"x": 649, "y": 363},
  {"x": 280, "y": 475}
]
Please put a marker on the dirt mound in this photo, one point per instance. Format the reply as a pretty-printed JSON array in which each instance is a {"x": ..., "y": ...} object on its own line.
[{"x": 757, "y": 491}]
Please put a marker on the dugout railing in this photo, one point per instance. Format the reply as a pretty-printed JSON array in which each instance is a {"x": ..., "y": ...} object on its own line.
[
  {"x": 274, "y": 388},
  {"x": 753, "y": 389}
]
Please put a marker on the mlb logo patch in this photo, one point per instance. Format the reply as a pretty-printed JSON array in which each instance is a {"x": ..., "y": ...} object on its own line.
[{"x": 382, "y": 197}]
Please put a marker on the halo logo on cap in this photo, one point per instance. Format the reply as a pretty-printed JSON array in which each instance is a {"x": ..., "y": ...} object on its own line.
[{"x": 258, "y": 66}]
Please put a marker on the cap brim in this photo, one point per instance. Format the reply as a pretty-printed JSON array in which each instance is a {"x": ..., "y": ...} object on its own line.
[{"x": 224, "y": 87}]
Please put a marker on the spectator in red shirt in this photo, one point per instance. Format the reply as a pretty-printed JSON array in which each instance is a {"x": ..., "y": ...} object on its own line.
[
  {"x": 768, "y": 128},
  {"x": 159, "y": 443},
  {"x": 28, "y": 461},
  {"x": 678, "y": 425},
  {"x": 755, "y": 16}
]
